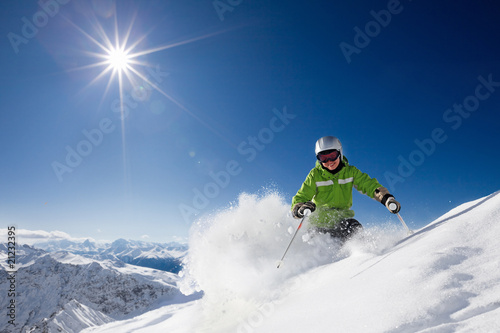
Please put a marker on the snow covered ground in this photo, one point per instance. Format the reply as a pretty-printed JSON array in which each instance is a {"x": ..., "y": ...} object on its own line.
[{"x": 444, "y": 278}]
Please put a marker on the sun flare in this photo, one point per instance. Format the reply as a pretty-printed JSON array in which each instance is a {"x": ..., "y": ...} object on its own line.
[
  {"x": 118, "y": 59},
  {"x": 121, "y": 56}
]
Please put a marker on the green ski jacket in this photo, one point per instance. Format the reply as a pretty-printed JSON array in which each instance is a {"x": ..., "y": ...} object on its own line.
[{"x": 332, "y": 193}]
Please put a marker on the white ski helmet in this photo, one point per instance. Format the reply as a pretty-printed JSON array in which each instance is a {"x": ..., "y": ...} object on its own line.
[{"x": 329, "y": 143}]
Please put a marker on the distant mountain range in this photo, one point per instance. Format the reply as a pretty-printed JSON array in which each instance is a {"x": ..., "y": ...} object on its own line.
[
  {"x": 166, "y": 257},
  {"x": 60, "y": 291}
]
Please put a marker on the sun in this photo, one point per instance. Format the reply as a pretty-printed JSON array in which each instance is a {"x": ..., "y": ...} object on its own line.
[
  {"x": 123, "y": 61},
  {"x": 118, "y": 59}
]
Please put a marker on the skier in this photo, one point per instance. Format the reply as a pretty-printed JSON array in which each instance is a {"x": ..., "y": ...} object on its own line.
[{"x": 328, "y": 191}]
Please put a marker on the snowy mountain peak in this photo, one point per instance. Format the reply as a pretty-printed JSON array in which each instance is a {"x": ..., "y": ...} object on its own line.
[
  {"x": 72, "y": 318},
  {"x": 88, "y": 244},
  {"x": 120, "y": 244}
]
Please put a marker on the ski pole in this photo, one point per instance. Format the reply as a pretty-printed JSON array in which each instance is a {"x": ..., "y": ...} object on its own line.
[
  {"x": 306, "y": 213},
  {"x": 410, "y": 232},
  {"x": 393, "y": 206}
]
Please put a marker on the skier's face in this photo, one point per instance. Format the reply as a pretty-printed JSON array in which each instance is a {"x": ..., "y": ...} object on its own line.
[{"x": 332, "y": 165}]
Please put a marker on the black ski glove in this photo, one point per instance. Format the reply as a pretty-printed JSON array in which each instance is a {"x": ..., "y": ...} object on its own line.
[
  {"x": 300, "y": 207},
  {"x": 383, "y": 196}
]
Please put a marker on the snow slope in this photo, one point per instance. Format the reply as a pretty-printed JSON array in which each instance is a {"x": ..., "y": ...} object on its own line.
[
  {"x": 72, "y": 318},
  {"x": 444, "y": 278}
]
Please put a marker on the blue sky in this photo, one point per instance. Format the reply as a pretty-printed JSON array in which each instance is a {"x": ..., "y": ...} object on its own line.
[{"x": 232, "y": 100}]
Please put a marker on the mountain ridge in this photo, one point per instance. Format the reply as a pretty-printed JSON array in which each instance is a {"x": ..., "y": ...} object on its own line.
[{"x": 162, "y": 256}]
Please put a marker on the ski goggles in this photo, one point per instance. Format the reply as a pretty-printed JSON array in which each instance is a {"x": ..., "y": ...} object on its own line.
[{"x": 329, "y": 155}]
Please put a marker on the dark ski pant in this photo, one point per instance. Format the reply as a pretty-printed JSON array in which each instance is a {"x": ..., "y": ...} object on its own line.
[{"x": 344, "y": 230}]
